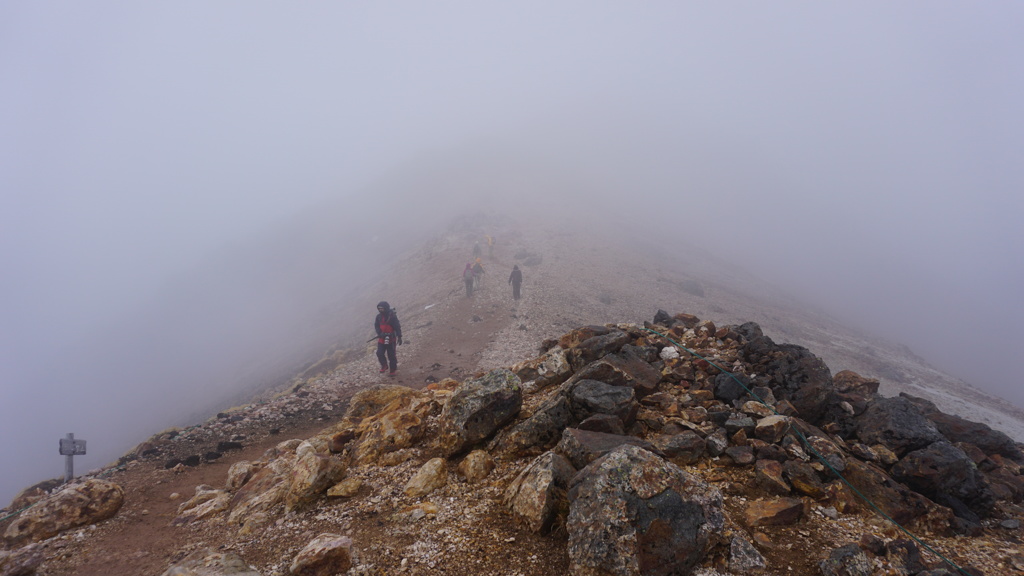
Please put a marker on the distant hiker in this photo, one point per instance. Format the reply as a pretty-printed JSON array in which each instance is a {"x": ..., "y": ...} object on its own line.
[
  {"x": 478, "y": 274},
  {"x": 516, "y": 280},
  {"x": 389, "y": 333},
  {"x": 490, "y": 246},
  {"x": 476, "y": 250},
  {"x": 467, "y": 277}
]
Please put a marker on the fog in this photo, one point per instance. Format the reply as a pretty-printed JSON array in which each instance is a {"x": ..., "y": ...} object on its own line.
[{"x": 864, "y": 158}]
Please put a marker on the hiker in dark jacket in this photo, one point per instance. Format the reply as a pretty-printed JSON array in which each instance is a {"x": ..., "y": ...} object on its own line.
[
  {"x": 467, "y": 277},
  {"x": 389, "y": 333},
  {"x": 516, "y": 280}
]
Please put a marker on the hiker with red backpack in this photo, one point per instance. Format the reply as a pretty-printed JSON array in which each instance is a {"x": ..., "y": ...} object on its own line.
[{"x": 389, "y": 333}]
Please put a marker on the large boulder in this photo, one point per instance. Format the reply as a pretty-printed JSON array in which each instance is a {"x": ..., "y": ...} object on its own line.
[
  {"x": 897, "y": 501},
  {"x": 793, "y": 373},
  {"x": 626, "y": 367},
  {"x": 957, "y": 429},
  {"x": 326, "y": 555},
  {"x": 206, "y": 502},
  {"x": 539, "y": 432},
  {"x": 477, "y": 409},
  {"x": 395, "y": 428},
  {"x": 633, "y": 513},
  {"x": 76, "y": 505},
  {"x": 538, "y": 495},
  {"x": 313, "y": 474},
  {"x": 948, "y": 476},
  {"x": 897, "y": 424}
]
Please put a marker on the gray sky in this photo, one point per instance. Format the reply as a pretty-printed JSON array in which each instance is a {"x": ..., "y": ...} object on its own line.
[{"x": 864, "y": 157}]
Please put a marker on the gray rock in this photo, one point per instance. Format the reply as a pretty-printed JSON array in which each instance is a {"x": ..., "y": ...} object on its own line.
[
  {"x": 941, "y": 471},
  {"x": 477, "y": 409},
  {"x": 849, "y": 560},
  {"x": 582, "y": 447},
  {"x": 589, "y": 397},
  {"x": 744, "y": 558},
  {"x": 632, "y": 513},
  {"x": 897, "y": 424},
  {"x": 538, "y": 494}
]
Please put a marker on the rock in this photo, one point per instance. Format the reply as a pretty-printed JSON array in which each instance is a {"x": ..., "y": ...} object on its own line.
[
  {"x": 596, "y": 347},
  {"x": 239, "y": 473},
  {"x": 210, "y": 562},
  {"x": 740, "y": 455},
  {"x": 396, "y": 427},
  {"x": 777, "y": 512},
  {"x": 632, "y": 513},
  {"x": 75, "y": 505},
  {"x": 942, "y": 471},
  {"x": 957, "y": 429},
  {"x": 21, "y": 561},
  {"x": 538, "y": 495},
  {"x": 372, "y": 400},
  {"x": 538, "y": 432},
  {"x": 265, "y": 489},
  {"x": 204, "y": 504},
  {"x": 804, "y": 479},
  {"x": 313, "y": 474},
  {"x": 589, "y": 397},
  {"x": 744, "y": 558},
  {"x": 897, "y": 424},
  {"x": 771, "y": 429},
  {"x": 430, "y": 477},
  {"x": 603, "y": 423},
  {"x": 730, "y": 387},
  {"x": 477, "y": 409},
  {"x": 551, "y": 369},
  {"x": 905, "y": 554},
  {"x": 849, "y": 560},
  {"x": 898, "y": 502},
  {"x": 582, "y": 447},
  {"x": 684, "y": 448},
  {"x": 850, "y": 381},
  {"x": 768, "y": 476},
  {"x": 795, "y": 375},
  {"x": 476, "y": 466},
  {"x": 347, "y": 488},
  {"x": 326, "y": 555}
]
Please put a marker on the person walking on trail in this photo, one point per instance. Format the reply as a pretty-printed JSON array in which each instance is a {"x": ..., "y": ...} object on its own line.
[
  {"x": 478, "y": 274},
  {"x": 490, "y": 246},
  {"x": 516, "y": 280},
  {"x": 467, "y": 277},
  {"x": 476, "y": 250},
  {"x": 389, "y": 333}
]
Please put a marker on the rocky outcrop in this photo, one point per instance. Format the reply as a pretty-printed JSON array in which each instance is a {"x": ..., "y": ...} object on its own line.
[
  {"x": 74, "y": 505},
  {"x": 616, "y": 439}
]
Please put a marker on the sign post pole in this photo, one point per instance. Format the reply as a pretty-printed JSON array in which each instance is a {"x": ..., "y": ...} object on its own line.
[{"x": 69, "y": 448}]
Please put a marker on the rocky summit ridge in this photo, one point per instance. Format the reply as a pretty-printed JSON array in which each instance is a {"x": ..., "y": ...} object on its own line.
[
  {"x": 673, "y": 446},
  {"x": 548, "y": 436}
]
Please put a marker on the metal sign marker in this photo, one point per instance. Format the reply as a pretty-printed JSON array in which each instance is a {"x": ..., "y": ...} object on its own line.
[{"x": 69, "y": 448}]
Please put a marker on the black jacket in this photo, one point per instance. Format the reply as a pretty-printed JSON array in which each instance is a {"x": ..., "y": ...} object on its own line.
[
  {"x": 516, "y": 277},
  {"x": 389, "y": 318}
]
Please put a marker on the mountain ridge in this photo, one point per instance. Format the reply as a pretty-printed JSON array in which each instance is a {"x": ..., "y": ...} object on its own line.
[{"x": 449, "y": 336}]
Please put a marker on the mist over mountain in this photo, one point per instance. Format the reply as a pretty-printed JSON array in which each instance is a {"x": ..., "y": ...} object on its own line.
[{"x": 197, "y": 204}]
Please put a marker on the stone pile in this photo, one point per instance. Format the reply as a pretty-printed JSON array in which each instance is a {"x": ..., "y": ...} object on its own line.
[{"x": 615, "y": 437}]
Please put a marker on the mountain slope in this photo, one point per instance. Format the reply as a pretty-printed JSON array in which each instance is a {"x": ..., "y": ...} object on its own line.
[{"x": 571, "y": 280}]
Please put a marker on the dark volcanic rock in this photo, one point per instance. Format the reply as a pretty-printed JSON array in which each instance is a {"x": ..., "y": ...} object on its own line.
[
  {"x": 943, "y": 471},
  {"x": 589, "y": 397},
  {"x": 478, "y": 408},
  {"x": 896, "y": 423},
  {"x": 632, "y": 513},
  {"x": 582, "y": 447},
  {"x": 794, "y": 373}
]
